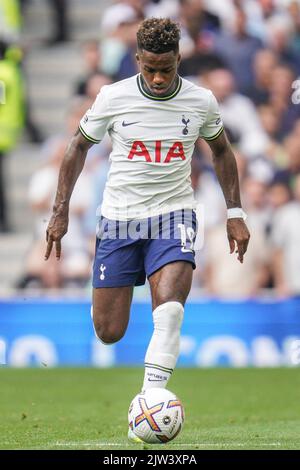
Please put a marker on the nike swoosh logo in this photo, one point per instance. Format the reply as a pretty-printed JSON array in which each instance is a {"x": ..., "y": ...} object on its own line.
[
  {"x": 187, "y": 250},
  {"x": 125, "y": 124}
]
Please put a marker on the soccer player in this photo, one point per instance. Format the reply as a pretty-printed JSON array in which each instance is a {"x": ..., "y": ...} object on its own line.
[{"x": 154, "y": 120}]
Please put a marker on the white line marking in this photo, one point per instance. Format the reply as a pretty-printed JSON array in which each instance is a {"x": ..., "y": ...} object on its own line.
[
  {"x": 195, "y": 444},
  {"x": 86, "y": 444}
]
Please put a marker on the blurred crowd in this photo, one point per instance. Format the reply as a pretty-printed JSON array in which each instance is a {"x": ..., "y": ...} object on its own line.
[{"x": 248, "y": 53}]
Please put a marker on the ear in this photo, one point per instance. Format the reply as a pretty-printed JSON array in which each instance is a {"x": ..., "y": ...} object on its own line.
[
  {"x": 178, "y": 59},
  {"x": 137, "y": 57}
]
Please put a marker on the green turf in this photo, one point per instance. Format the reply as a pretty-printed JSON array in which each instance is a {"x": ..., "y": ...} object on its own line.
[{"x": 87, "y": 408}]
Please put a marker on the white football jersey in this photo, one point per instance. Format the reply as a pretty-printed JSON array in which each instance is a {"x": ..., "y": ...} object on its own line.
[{"x": 153, "y": 140}]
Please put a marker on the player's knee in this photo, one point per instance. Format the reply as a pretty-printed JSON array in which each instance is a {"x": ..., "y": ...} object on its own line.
[
  {"x": 176, "y": 312},
  {"x": 108, "y": 334},
  {"x": 168, "y": 298}
]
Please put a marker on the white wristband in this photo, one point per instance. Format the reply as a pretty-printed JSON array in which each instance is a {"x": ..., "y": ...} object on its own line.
[{"x": 236, "y": 213}]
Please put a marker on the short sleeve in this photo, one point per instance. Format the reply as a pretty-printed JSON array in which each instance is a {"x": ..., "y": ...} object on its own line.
[
  {"x": 95, "y": 122},
  {"x": 213, "y": 125}
]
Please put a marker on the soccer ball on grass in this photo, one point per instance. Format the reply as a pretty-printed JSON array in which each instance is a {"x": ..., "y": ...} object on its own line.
[{"x": 156, "y": 416}]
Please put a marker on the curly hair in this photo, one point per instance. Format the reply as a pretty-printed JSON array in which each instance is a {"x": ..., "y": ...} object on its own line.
[{"x": 158, "y": 35}]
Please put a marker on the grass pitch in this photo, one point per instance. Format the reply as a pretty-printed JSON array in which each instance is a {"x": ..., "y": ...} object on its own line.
[{"x": 87, "y": 408}]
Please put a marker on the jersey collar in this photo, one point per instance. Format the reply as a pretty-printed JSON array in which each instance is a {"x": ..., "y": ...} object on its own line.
[{"x": 158, "y": 98}]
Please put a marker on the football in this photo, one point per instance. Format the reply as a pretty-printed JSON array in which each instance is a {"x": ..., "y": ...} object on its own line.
[{"x": 156, "y": 416}]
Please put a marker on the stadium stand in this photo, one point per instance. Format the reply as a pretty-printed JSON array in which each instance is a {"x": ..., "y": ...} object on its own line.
[{"x": 271, "y": 104}]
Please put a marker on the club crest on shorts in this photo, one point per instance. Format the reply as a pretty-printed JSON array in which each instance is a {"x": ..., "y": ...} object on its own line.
[{"x": 102, "y": 269}]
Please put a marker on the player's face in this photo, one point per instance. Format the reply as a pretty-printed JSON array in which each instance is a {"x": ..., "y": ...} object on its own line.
[{"x": 159, "y": 71}]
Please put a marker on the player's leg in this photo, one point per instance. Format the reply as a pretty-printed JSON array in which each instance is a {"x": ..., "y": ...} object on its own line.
[
  {"x": 169, "y": 263},
  {"x": 170, "y": 283},
  {"x": 170, "y": 286},
  {"x": 110, "y": 312},
  {"x": 118, "y": 266}
]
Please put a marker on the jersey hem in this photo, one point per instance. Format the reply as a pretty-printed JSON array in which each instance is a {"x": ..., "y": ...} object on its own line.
[{"x": 111, "y": 215}]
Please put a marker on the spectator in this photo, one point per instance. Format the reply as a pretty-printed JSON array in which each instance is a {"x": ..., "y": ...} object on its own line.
[
  {"x": 263, "y": 123},
  {"x": 264, "y": 64},
  {"x": 260, "y": 13},
  {"x": 118, "y": 28},
  {"x": 279, "y": 194},
  {"x": 292, "y": 149},
  {"x": 238, "y": 113},
  {"x": 275, "y": 152},
  {"x": 207, "y": 193},
  {"x": 280, "y": 99},
  {"x": 198, "y": 26},
  {"x": 196, "y": 18},
  {"x": 91, "y": 64},
  {"x": 296, "y": 129},
  {"x": 60, "y": 20},
  {"x": 198, "y": 63},
  {"x": 285, "y": 242},
  {"x": 160, "y": 8},
  {"x": 238, "y": 48},
  {"x": 10, "y": 21},
  {"x": 196, "y": 44},
  {"x": 254, "y": 194},
  {"x": 75, "y": 266},
  {"x": 294, "y": 11},
  {"x": 11, "y": 119},
  {"x": 223, "y": 277},
  {"x": 94, "y": 85},
  {"x": 280, "y": 35},
  {"x": 224, "y": 10},
  {"x": 270, "y": 121}
]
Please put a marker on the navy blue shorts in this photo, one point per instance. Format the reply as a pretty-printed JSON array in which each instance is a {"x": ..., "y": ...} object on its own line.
[{"x": 128, "y": 251}]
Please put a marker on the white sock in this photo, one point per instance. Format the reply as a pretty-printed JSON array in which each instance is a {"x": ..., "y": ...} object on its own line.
[{"x": 163, "y": 349}]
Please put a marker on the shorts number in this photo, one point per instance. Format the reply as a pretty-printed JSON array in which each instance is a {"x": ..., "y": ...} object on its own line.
[{"x": 186, "y": 233}]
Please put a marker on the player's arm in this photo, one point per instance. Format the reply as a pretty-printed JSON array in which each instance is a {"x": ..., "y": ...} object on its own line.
[
  {"x": 69, "y": 172},
  {"x": 227, "y": 174}
]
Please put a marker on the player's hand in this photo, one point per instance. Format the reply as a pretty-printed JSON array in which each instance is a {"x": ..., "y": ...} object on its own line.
[
  {"x": 57, "y": 228},
  {"x": 238, "y": 237}
]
